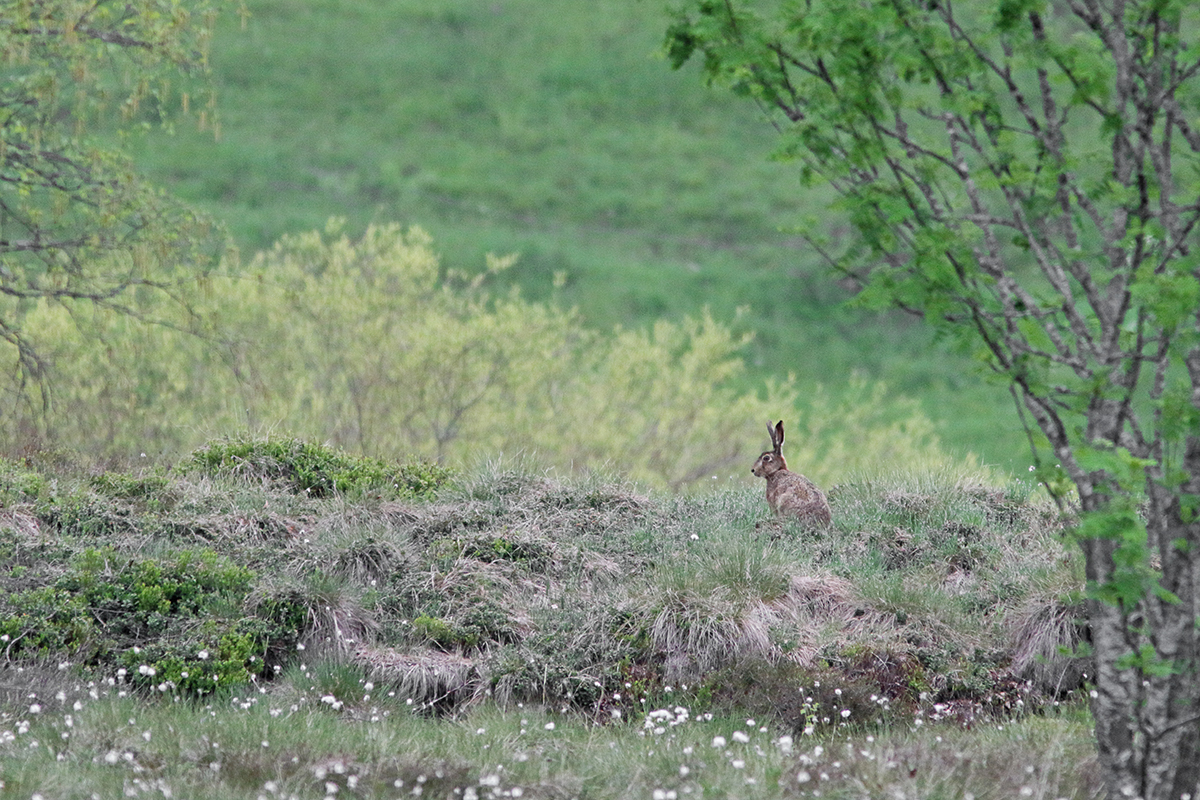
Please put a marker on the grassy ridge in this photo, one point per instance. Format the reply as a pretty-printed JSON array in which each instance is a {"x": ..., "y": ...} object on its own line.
[
  {"x": 554, "y": 130},
  {"x": 410, "y": 596}
]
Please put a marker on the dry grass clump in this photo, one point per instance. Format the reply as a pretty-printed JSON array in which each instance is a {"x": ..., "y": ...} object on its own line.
[
  {"x": 1047, "y": 633},
  {"x": 430, "y": 678}
]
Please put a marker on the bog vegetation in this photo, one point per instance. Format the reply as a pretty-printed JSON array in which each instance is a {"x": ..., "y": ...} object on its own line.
[{"x": 267, "y": 617}]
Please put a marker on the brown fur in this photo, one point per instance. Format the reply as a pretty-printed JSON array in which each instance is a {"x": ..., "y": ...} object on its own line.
[{"x": 790, "y": 493}]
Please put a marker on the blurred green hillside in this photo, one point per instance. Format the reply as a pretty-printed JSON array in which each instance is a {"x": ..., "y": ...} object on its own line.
[{"x": 554, "y": 130}]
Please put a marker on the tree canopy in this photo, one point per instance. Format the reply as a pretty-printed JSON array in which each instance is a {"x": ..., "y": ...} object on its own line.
[
  {"x": 1024, "y": 174},
  {"x": 77, "y": 224}
]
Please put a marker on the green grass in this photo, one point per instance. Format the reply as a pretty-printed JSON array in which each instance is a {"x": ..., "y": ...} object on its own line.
[
  {"x": 557, "y": 131},
  {"x": 97, "y": 739}
]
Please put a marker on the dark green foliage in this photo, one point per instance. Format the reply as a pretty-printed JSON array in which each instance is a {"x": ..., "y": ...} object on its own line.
[
  {"x": 535, "y": 555},
  {"x": 87, "y": 514},
  {"x": 445, "y": 635},
  {"x": 126, "y": 486},
  {"x": 316, "y": 470},
  {"x": 173, "y": 621},
  {"x": 19, "y": 484},
  {"x": 234, "y": 659},
  {"x": 107, "y": 601}
]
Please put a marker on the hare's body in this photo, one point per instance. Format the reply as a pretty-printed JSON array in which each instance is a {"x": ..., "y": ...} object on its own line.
[{"x": 789, "y": 493}]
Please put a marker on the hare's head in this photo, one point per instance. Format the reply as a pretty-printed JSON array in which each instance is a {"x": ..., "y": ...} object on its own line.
[{"x": 771, "y": 461}]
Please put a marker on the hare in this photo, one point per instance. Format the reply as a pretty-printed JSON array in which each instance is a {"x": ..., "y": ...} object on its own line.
[{"x": 790, "y": 493}]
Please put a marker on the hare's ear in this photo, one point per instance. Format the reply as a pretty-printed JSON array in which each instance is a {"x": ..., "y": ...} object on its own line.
[
  {"x": 771, "y": 433},
  {"x": 777, "y": 436}
]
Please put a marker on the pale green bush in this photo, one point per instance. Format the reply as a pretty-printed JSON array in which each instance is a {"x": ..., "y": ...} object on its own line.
[{"x": 369, "y": 346}]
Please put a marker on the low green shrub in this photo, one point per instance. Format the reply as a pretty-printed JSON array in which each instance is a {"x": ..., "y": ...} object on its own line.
[
  {"x": 445, "y": 635},
  {"x": 174, "y": 621},
  {"x": 19, "y": 484},
  {"x": 195, "y": 666},
  {"x": 151, "y": 488},
  {"x": 83, "y": 513},
  {"x": 316, "y": 470},
  {"x": 537, "y": 556}
]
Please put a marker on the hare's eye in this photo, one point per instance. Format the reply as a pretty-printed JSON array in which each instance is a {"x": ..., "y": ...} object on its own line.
[{"x": 766, "y": 458}]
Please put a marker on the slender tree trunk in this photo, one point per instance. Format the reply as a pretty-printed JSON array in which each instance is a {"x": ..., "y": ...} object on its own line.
[{"x": 1147, "y": 713}]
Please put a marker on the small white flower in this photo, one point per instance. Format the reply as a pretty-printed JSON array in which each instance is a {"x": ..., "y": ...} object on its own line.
[
  {"x": 718, "y": 742},
  {"x": 549, "y": 726}
]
